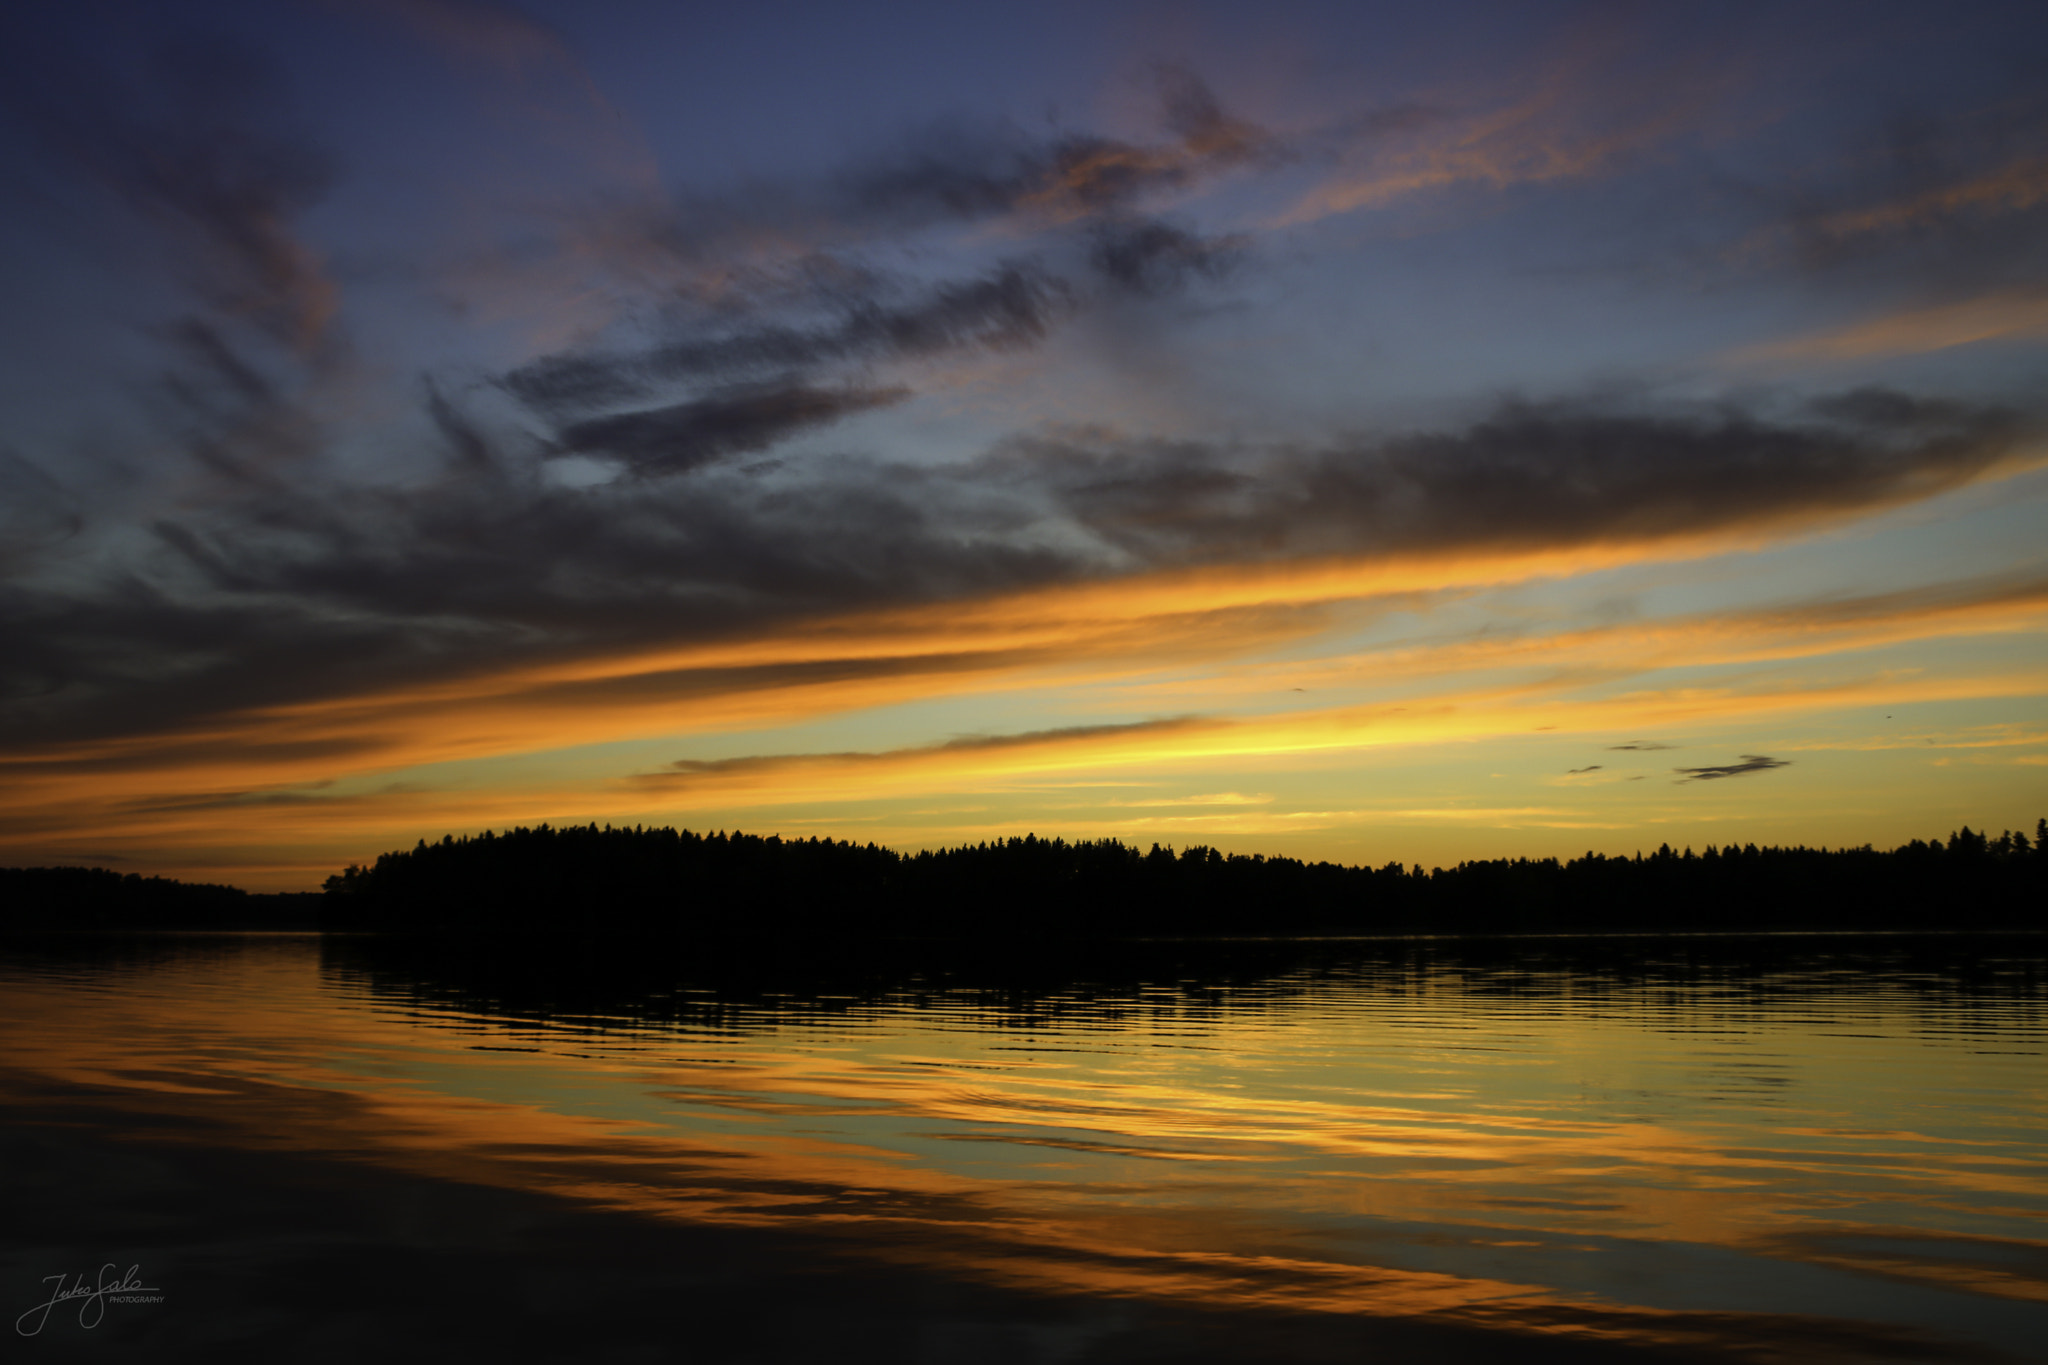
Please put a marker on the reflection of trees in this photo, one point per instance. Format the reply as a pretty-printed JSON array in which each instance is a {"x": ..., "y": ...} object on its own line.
[
  {"x": 720, "y": 885},
  {"x": 1176, "y": 987}
]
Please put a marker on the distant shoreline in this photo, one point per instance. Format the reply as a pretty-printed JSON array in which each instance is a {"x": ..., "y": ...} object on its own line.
[{"x": 663, "y": 882}]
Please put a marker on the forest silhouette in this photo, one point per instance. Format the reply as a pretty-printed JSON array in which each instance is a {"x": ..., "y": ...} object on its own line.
[
  {"x": 590, "y": 878},
  {"x": 57, "y": 899},
  {"x": 579, "y": 879}
]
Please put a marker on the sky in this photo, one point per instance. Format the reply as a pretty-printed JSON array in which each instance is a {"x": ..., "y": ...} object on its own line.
[{"x": 1365, "y": 432}]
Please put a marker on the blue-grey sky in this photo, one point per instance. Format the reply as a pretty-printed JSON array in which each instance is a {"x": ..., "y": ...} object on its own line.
[{"x": 1360, "y": 431}]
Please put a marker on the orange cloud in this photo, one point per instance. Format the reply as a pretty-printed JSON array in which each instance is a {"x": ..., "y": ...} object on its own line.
[
  {"x": 1090, "y": 632},
  {"x": 1991, "y": 606},
  {"x": 2009, "y": 189},
  {"x": 833, "y": 664},
  {"x": 2006, "y": 316},
  {"x": 280, "y": 777},
  {"x": 1592, "y": 109}
]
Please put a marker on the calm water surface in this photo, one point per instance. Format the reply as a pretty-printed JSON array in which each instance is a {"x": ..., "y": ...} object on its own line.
[{"x": 1788, "y": 1149}]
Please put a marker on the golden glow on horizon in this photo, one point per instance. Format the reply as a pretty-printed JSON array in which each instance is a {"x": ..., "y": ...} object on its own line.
[
  {"x": 1156, "y": 675},
  {"x": 1442, "y": 716},
  {"x": 1133, "y": 624}
]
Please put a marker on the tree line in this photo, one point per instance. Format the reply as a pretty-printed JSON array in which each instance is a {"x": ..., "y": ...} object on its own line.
[
  {"x": 578, "y": 878},
  {"x": 58, "y": 899}
]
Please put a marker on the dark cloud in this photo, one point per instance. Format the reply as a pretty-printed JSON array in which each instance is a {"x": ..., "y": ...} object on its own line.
[
  {"x": 1751, "y": 763},
  {"x": 1880, "y": 409},
  {"x": 685, "y": 768},
  {"x": 1529, "y": 475},
  {"x": 684, "y": 436},
  {"x": 946, "y": 173},
  {"x": 1637, "y": 746},
  {"x": 1152, "y": 257},
  {"x": 1010, "y": 307},
  {"x": 824, "y": 314},
  {"x": 468, "y": 444},
  {"x": 131, "y": 659},
  {"x": 951, "y": 173},
  {"x": 277, "y": 591},
  {"x": 957, "y": 174},
  {"x": 682, "y": 684},
  {"x": 1590, "y": 768}
]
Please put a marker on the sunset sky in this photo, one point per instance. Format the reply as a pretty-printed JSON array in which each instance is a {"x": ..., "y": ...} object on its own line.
[{"x": 1349, "y": 431}]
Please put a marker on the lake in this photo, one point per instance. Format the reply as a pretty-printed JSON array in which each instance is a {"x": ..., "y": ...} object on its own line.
[{"x": 284, "y": 1147}]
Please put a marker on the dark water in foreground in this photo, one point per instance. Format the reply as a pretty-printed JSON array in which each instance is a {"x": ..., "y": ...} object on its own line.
[{"x": 1811, "y": 1149}]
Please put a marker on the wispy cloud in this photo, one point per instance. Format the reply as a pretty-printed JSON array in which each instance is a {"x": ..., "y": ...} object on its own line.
[
  {"x": 684, "y": 436},
  {"x": 995, "y": 173},
  {"x": 1018, "y": 753},
  {"x": 209, "y": 151},
  {"x": 513, "y": 699},
  {"x": 1588, "y": 105},
  {"x": 1751, "y": 763},
  {"x": 2010, "y": 315},
  {"x": 1010, "y": 307},
  {"x": 2014, "y": 187}
]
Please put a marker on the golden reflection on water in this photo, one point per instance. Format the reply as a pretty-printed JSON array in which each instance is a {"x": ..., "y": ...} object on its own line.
[{"x": 1649, "y": 1156}]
